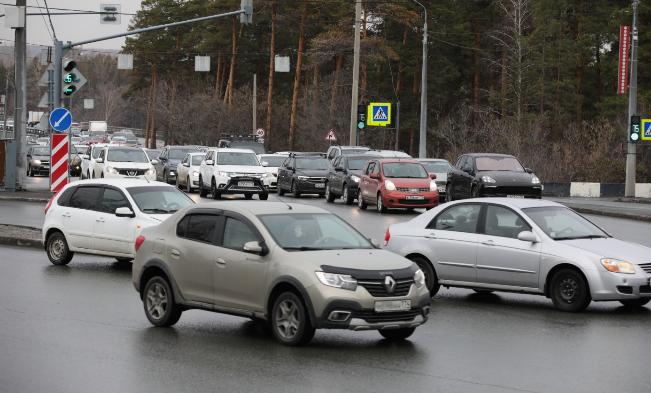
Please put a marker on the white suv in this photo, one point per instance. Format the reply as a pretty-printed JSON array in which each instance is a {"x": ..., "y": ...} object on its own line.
[
  {"x": 105, "y": 216},
  {"x": 88, "y": 159},
  {"x": 120, "y": 161},
  {"x": 232, "y": 171}
]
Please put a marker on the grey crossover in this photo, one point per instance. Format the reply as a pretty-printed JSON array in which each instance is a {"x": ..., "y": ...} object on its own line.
[{"x": 294, "y": 267}]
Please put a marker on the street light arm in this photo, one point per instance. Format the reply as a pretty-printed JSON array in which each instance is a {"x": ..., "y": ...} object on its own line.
[{"x": 424, "y": 9}]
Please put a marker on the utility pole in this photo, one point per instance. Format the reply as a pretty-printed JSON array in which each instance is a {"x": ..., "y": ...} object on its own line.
[
  {"x": 255, "y": 102},
  {"x": 629, "y": 189},
  {"x": 355, "y": 94},
  {"x": 397, "y": 148},
  {"x": 422, "y": 145},
  {"x": 15, "y": 173}
]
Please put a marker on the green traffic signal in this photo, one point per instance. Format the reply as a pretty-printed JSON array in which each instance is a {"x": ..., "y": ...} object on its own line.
[
  {"x": 70, "y": 78},
  {"x": 69, "y": 90}
]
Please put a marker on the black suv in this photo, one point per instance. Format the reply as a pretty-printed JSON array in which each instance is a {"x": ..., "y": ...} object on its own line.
[
  {"x": 169, "y": 159},
  {"x": 303, "y": 173},
  {"x": 344, "y": 175},
  {"x": 485, "y": 174}
]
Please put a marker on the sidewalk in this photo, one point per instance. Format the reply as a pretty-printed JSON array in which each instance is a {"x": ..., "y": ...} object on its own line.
[
  {"x": 15, "y": 235},
  {"x": 26, "y": 196},
  {"x": 632, "y": 209}
]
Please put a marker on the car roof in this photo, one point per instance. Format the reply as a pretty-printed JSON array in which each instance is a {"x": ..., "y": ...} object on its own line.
[
  {"x": 354, "y": 147},
  {"x": 230, "y": 150},
  {"x": 487, "y": 155},
  {"x": 394, "y": 160},
  {"x": 364, "y": 156},
  {"x": 120, "y": 182},
  {"x": 262, "y": 207},
  {"x": 184, "y": 147},
  {"x": 520, "y": 203},
  {"x": 274, "y": 154},
  {"x": 123, "y": 147},
  {"x": 432, "y": 160}
]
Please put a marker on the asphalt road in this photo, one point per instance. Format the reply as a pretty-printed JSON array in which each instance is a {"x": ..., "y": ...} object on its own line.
[{"x": 81, "y": 328}]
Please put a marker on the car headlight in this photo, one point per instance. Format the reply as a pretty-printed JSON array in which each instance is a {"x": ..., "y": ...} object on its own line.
[
  {"x": 432, "y": 186},
  {"x": 224, "y": 174},
  {"x": 37, "y": 162},
  {"x": 195, "y": 174},
  {"x": 171, "y": 173},
  {"x": 355, "y": 178},
  {"x": 342, "y": 281},
  {"x": 419, "y": 278},
  {"x": 535, "y": 180},
  {"x": 150, "y": 172},
  {"x": 303, "y": 178},
  {"x": 266, "y": 174},
  {"x": 111, "y": 170},
  {"x": 488, "y": 179},
  {"x": 388, "y": 184},
  {"x": 618, "y": 266}
]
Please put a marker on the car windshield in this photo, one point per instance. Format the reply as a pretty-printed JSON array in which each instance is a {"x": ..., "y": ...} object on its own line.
[
  {"x": 196, "y": 160},
  {"x": 313, "y": 231},
  {"x": 127, "y": 155},
  {"x": 561, "y": 223},
  {"x": 315, "y": 163},
  {"x": 41, "y": 151},
  {"x": 405, "y": 170},
  {"x": 178, "y": 154},
  {"x": 96, "y": 151},
  {"x": 273, "y": 161},
  {"x": 159, "y": 200},
  {"x": 436, "y": 166},
  {"x": 498, "y": 164},
  {"x": 225, "y": 158},
  {"x": 357, "y": 164},
  {"x": 257, "y": 147},
  {"x": 95, "y": 134},
  {"x": 351, "y": 152},
  {"x": 153, "y": 154}
]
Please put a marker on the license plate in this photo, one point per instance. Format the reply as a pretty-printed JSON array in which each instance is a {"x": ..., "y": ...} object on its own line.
[
  {"x": 515, "y": 196},
  {"x": 245, "y": 184},
  {"x": 415, "y": 197},
  {"x": 319, "y": 185},
  {"x": 441, "y": 189},
  {"x": 392, "y": 305}
]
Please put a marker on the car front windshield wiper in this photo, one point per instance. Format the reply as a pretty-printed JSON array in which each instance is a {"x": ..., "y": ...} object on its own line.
[
  {"x": 304, "y": 248},
  {"x": 581, "y": 237},
  {"x": 159, "y": 211}
]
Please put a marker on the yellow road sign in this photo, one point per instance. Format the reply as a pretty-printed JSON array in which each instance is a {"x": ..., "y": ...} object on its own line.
[{"x": 379, "y": 114}]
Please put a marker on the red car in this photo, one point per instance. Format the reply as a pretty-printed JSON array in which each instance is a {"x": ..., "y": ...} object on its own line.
[{"x": 397, "y": 183}]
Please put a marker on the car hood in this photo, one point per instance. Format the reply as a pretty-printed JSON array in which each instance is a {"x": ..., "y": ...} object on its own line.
[
  {"x": 613, "y": 248},
  {"x": 271, "y": 169},
  {"x": 507, "y": 176},
  {"x": 441, "y": 177},
  {"x": 129, "y": 165},
  {"x": 357, "y": 172},
  {"x": 40, "y": 157},
  {"x": 240, "y": 169},
  {"x": 312, "y": 172},
  {"x": 409, "y": 183},
  {"x": 361, "y": 259},
  {"x": 172, "y": 163}
]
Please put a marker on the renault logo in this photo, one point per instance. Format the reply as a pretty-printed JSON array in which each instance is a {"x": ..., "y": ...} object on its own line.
[
  {"x": 131, "y": 173},
  {"x": 389, "y": 284}
]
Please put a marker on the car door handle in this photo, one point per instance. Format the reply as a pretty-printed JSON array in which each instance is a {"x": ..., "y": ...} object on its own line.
[
  {"x": 100, "y": 220},
  {"x": 66, "y": 215},
  {"x": 430, "y": 236},
  {"x": 488, "y": 243},
  {"x": 175, "y": 253},
  {"x": 220, "y": 262}
]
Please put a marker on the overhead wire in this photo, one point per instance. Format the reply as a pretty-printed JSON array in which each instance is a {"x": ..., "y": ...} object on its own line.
[{"x": 50, "y": 18}]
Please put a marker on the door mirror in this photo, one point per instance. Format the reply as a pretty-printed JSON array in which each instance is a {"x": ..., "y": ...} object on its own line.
[
  {"x": 467, "y": 169},
  {"x": 84, "y": 156},
  {"x": 374, "y": 242},
  {"x": 264, "y": 163},
  {"x": 186, "y": 164},
  {"x": 339, "y": 169},
  {"x": 528, "y": 236},
  {"x": 99, "y": 160},
  {"x": 210, "y": 162},
  {"x": 154, "y": 162},
  {"x": 253, "y": 248},
  {"x": 528, "y": 170},
  {"x": 432, "y": 176},
  {"x": 374, "y": 175},
  {"x": 124, "y": 212},
  {"x": 290, "y": 168}
]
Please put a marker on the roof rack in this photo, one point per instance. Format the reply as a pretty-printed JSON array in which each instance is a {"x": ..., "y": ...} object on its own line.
[{"x": 306, "y": 153}]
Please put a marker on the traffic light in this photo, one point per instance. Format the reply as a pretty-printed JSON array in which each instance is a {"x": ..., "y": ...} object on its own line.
[
  {"x": 361, "y": 116},
  {"x": 73, "y": 80},
  {"x": 634, "y": 135}
]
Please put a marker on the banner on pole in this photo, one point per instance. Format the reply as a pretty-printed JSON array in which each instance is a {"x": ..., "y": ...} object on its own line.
[{"x": 624, "y": 47}]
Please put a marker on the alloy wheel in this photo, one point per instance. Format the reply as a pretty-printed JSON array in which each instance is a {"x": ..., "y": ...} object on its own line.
[
  {"x": 287, "y": 319},
  {"x": 156, "y": 301},
  {"x": 568, "y": 289}
]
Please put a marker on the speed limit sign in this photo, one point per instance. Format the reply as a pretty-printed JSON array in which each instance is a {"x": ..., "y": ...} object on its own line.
[{"x": 259, "y": 132}]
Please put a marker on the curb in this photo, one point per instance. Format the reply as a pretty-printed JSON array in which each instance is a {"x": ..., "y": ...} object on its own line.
[
  {"x": 14, "y": 241},
  {"x": 627, "y": 216},
  {"x": 24, "y": 199}
]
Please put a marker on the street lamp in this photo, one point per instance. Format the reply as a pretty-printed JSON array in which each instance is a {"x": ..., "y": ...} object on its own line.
[{"x": 422, "y": 145}]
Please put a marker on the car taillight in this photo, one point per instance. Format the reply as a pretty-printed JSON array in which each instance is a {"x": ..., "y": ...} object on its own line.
[
  {"x": 49, "y": 203},
  {"x": 387, "y": 237},
  {"x": 139, "y": 241}
]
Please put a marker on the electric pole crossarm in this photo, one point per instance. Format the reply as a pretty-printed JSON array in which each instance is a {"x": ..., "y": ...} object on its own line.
[{"x": 152, "y": 28}]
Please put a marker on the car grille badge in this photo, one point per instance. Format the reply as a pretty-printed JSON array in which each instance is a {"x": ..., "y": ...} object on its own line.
[{"x": 389, "y": 284}]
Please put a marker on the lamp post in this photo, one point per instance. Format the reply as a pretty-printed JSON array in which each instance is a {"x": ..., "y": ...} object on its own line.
[{"x": 422, "y": 145}]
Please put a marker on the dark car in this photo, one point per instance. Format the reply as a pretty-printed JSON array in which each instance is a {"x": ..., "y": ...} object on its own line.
[
  {"x": 344, "y": 175},
  {"x": 483, "y": 174},
  {"x": 303, "y": 173},
  {"x": 38, "y": 160},
  {"x": 251, "y": 142},
  {"x": 169, "y": 159}
]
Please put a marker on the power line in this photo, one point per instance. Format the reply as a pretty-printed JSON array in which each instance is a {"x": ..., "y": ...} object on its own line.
[
  {"x": 47, "y": 28},
  {"x": 50, "y": 18},
  {"x": 63, "y": 9}
]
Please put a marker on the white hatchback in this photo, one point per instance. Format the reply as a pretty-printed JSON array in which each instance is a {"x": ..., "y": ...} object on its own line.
[
  {"x": 120, "y": 161},
  {"x": 104, "y": 216}
]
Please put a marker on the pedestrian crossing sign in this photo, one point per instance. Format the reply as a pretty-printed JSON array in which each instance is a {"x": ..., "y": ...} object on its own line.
[
  {"x": 379, "y": 114},
  {"x": 646, "y": 130}
]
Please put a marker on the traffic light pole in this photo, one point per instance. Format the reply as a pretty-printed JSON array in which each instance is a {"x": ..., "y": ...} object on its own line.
[{"x": 629, "y": 188}]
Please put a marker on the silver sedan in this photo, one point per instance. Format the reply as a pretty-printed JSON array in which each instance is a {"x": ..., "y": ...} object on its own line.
[{"x": 526, "y": 246}]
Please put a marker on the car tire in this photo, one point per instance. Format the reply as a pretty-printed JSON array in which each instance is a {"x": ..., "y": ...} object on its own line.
[
  {"x": 360, "y": 201},
  {"x": 264, "y": 196},
  {"x": 124, "y": 260},
  {"x": 474, "y": 192},
  {"x": 213, "y": 190},
  {"x": 30, "y": 172},
  {"x": 397, "y": 334},
  {"x": 202, "y": 190},
  {"x": 329, "y": 196},
  {"x": 57, "y": 249},
  {"x": 281, "y": 191},
  {"x": 290, "y": 321},
  {"x": 345, "y": 195},
  {"x": 380, "y": 205},
  {"x": 188, "y": 186},
  {"x": 448, "y": 193},
  {"x": 102, "y": 176},
  {"x": 431, "y": 278},
  {"x": 569, "y": 291},
  {"x": 158, "y": 302},
  {"x": 634, "y": 303},
  {"x": 295, "y": 191},
  {"x": 483, "y": 291},
  {"x": 248, "y": 196}
]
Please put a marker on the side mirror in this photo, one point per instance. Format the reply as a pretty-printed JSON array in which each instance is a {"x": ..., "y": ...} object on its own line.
[
  {"x": 528, "y": 170},
  {"x": 528, "y": 236},
  {"x": 290, "y": 168},
  {"x": 374, "y": 175},
  {"x": 186, "y": 164},
  {"x": 99, "y": 160},
  {"x": 124, "y": 212},
  {"x": 210, "y": 162},
  {"x": 467, "y": 169},
  {"x": 84, "y": 156},
  {"x": 339, "y": 169},
  {"x": 432, "y": 176},
  {"x": 154, "y": 162},
  {"x": 374, "y": 242},
  {"x": 264, "y": 163},
  {"x": 253, "y": 248}
]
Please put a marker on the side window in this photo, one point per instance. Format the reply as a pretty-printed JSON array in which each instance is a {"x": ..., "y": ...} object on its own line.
[
  {"x": 101, "y": 153},
  {"x": 369, "y": 168},
  {"x": 332, "y": 154},
  {"x": 64, "y": 199},
  {"x": 112, "y": 199},
  {"x": 460, "y": 162},
  {"x": 182, "y": 227},
  {"x": 471, "y": 163},
  {"x": 86, "y": 198},
  {"x": 336, "y": 162},
  {"x": 459, "y": 218},
  {"x": 504, "y": 222},
  {"x": 200, "y": 227},
  {"x": 376, "y": 168},
  {"x": 236, "y": 234}
]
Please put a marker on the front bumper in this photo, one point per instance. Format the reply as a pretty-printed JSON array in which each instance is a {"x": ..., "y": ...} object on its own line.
[
  {"x": 524, "y": 190},
  {"x": 41, "y": 168},
  {"x": 399, "y": 199},
  {"x": 615, "y": 286},
  {"x": 311, "y": 186},
  {"x": 241, "y": 185}
]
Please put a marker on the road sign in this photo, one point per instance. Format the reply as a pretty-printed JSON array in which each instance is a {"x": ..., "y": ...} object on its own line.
[
  {"x": 58, "y": 162},
  {"x": 110, "y": 14},
  {"x": 260, "y": 132},
  {"x": 89, "y": 103},
  {"x": 331, "y": 136},
  {"x": 43, "y": 82},
  {"x": 60, "y": 119},
  {"x": 379, "y": 114},
  {"x": 645, "y": 133}
]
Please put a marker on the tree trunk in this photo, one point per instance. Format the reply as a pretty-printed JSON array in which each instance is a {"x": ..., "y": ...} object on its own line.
[
  {"x": 401, "y": 65},
  {"x": 171, "y": 108},
  {"x": 272, "y": 71},
  {"x": 363, "y": 83},
  {"x": 477, "y": 74},
  {"x": 218, "y": 76},
  {"x": 579, "y": 63},
  {"x": 228, "y": 96},
  {"x": 600, "y": 82},
  {"x": 503, "y": 83},
  {"x": 152, "y": 114},
  {"x": 339, "y": 65},
  {"x": 315, "y": 89},
  {"x": 297, "y": 79}
]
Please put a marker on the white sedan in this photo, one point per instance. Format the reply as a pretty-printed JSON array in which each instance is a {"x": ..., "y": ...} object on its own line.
[
  {"x": 187, "y": 171},
  {"x": 526, "y": 246}
]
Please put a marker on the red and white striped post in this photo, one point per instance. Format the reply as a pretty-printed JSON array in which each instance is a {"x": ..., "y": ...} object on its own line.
[{"x": 58, "y": 162}]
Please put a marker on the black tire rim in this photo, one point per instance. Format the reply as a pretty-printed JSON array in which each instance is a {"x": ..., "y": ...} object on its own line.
[{"x": 568, "y": 289}]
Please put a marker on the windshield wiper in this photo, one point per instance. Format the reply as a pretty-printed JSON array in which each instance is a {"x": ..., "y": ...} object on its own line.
[
  {"x": 581, "y": 237},
  {"x": 304, "y": 248},
  {"x": 162, "y": 211}
]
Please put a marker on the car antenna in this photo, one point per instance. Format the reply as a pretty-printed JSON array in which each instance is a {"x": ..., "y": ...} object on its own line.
[{"x": 289, "y": 207}]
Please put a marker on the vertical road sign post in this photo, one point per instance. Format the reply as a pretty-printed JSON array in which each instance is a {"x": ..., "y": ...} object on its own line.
[{"x": 58, "y": 161}]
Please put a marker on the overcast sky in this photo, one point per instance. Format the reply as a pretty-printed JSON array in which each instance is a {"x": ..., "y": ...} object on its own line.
[{"x": 72, "y": 28}]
